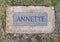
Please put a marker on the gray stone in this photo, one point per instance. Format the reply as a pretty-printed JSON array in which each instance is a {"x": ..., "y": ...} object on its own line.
[{"x": 11, "y": 28}]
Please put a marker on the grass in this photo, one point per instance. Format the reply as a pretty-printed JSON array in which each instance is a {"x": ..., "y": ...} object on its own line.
[{"x": 38, "y": 39}]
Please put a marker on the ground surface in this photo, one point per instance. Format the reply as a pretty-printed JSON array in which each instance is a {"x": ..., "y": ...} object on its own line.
[{"x": 53, "y": 37}]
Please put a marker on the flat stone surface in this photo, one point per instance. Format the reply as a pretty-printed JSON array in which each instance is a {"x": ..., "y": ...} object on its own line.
[{"x": 11, "y": 28}]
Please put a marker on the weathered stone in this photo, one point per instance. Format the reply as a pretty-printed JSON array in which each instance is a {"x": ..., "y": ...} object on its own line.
[{"x": 11, "y": 28}]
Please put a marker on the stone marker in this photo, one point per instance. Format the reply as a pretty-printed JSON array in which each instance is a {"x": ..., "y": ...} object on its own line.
[{"x": 30, "y": 19}]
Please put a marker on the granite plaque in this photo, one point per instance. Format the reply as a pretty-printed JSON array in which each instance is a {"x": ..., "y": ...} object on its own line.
[
  {"x": 30, "y": 19},
  {"x": 25, "y": 18}
]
